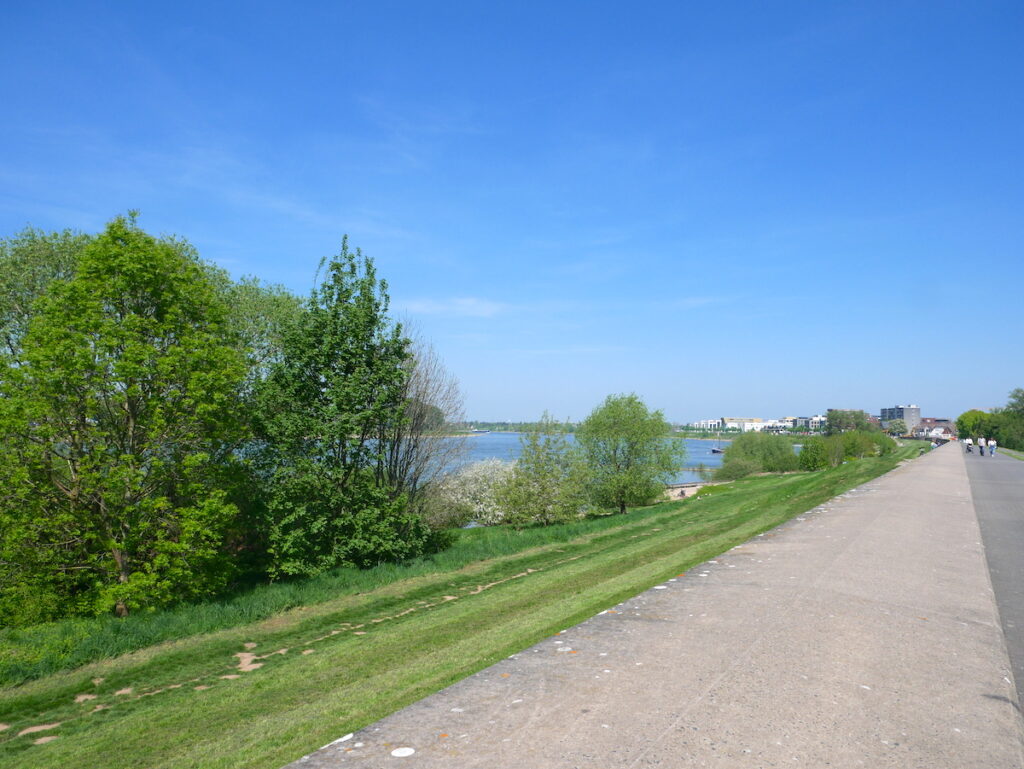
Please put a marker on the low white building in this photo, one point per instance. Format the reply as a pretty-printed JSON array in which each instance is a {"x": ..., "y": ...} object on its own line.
[
  {"x": 708, "y": 424},
  {"x": 756, "y": 424},
  {"x": 746, "y": 424}
]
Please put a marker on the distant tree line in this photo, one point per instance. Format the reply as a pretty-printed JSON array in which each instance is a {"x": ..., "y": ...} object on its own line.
[
  {"x": 167, "y": 432},
  {"x": 519, "y": 427},
  {"x": 1005, "y": 425}
]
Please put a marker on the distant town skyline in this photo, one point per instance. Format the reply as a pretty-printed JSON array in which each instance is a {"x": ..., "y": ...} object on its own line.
[{"x": 723, "y": 208}]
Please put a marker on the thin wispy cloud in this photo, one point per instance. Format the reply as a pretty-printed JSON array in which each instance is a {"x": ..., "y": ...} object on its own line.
[
  {"x": 575, "y": 350},
  {"x": 459, "y": 307}
]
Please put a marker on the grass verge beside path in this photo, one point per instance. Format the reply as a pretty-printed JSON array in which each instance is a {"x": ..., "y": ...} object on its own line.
[
  {"x": 333, "y": 667},
  {"x": 1012, "y": 453}
]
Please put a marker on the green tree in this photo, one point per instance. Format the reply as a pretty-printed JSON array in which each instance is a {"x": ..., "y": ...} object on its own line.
[
  {"x": 842, "y": 420},
  {"x": 814, "y": 455},
  {"x": 1015, "y": 403},
  {"x": 260, "y": 315},
  {"x": 896, "y": 427},
  {"x": 549, "y": 481},
  {"x": 857, "y": 444},
  {"x": 116, "y": 425},
  {"x": 972, "y": 424},
  {"x": 29, "y": 262},
  {"x": 339, "y": 381},
  {"x": 627, "y": 451}
]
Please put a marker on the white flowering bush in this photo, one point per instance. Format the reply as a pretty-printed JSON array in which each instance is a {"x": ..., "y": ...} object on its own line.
[{"x": 468, "y": 494}]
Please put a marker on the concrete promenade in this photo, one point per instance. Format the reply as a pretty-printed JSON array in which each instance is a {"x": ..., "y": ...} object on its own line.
[
  {"x": 862, "y": 634},
  {"x": 997, "y": 488}
]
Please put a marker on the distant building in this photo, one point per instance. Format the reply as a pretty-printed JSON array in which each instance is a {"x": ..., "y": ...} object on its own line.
[
  {"x": 936, "y": 428},
  {"x": 814, "y": 424},
  {"x": 746, "y": 424},
  {"x": 708, "y": 424},
  {"x": 910, "y": 414},
  {"x": 757, "y": 424}
]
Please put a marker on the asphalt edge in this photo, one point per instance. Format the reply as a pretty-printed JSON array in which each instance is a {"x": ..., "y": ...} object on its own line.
[{"x": 1011, "y": 679}]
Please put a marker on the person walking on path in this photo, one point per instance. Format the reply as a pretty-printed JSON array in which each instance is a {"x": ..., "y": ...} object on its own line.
[
  {"x": 991, "y": 447},
  {"x": 968, "y": 445},
  {"x": 981, "y": 445}
]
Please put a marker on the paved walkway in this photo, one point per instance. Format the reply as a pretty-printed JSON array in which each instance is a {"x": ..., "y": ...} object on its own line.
[
  {"x": 864, "y": 633},
  {"x": 997, "y": 487}
]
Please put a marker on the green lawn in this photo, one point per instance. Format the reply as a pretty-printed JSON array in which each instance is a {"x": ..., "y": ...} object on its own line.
[
  {"x": 1011, "y": 453},
  {"x": 346, "y": 660}
]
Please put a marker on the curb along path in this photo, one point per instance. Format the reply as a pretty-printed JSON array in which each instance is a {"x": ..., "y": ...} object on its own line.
[{"x": 862, "y": 633}]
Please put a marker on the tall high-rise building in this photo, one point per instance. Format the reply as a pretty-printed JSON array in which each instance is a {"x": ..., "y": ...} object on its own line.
[{"x": 910, "y": 414}]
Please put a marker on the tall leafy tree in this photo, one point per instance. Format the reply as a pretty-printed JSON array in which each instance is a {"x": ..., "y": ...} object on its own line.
[
  {"x": 1015, "y": 403},
  {"x": 116, "y": 425},
  {"x": 628, "y": 452},
  {"x": 29, "y": 262},
  {"x": 260, "y": 316},
  {"x": 340, "y": 378},
  {"x": 896, "y": 427},
  {"x": 843, "y": 420},
  {"x": 973, "y": 423}
]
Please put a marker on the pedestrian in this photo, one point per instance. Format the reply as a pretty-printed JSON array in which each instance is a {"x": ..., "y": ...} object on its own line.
[
  {"x": 981, "y": 445},
  {"x": 991, "y": 447},
  {"x": 968, "y": 445}
]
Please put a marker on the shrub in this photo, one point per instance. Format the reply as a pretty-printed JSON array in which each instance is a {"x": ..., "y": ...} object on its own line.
[
  {"x": 548, "y": 483},
  {"x": 814, "y": 455},
  {"x": 883, "y": 443},
  {"x": 468, "y": 494},
  {"x": 857, "y": 444},
  {"x": 771, "y": 453},
  {"x": 737, "y": 468}
]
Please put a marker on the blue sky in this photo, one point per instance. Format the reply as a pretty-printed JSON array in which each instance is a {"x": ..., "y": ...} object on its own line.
[{"x": 752, "y": 208}]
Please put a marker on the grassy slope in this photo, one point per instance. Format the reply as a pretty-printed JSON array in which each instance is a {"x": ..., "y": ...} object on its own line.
[
  {"x": 378, "y": 651},
  {"x": 40, "y": 650}
]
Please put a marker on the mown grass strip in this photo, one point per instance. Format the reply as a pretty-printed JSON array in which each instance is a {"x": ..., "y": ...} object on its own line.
[
  {"x": 41, "y": 650},
  {"x": 296, "y": 702}
]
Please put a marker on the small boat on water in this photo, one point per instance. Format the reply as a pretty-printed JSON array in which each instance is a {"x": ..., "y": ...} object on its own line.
[{"x": 717, "y": 448}]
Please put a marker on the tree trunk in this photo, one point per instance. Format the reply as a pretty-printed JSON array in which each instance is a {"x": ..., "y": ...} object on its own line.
[{"x": 120, "y": 608}]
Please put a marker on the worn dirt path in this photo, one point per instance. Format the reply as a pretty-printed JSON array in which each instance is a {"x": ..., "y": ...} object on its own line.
[{"x": 864, "y": 633}]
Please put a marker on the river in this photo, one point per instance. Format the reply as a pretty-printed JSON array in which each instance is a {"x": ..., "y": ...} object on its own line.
[{"x": 506, "y": 447}]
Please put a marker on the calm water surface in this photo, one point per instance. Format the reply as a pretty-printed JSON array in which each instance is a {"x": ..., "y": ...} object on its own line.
[{"x": 505, "y": 446}]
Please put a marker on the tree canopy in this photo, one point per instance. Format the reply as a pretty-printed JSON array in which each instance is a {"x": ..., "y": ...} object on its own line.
[
  {"x": 117, "y": 421},
  {"x": 628, "y": 452},
  {"x": 339, "y": 381},
  {"x": 166, "y": 430},
  {"x": 896, "y": 427},
  {"x": 843, "y": 420}
]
